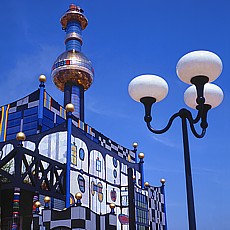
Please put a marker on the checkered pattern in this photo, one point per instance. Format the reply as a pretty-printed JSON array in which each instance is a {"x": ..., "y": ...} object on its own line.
[
  {"x": 156, "y": 208},
  {"x": 74, "y": 218},
  {"x": 27, "y": 102},
  {"x": 113, "y": 146}
]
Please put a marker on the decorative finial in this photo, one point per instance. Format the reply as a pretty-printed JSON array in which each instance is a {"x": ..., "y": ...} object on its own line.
[
  {"x": 42, "y": 78},
  {"x": 69, "y": 107},
  {"x": 20, "y": 136},
  {"x": 47, "y": 201},
  {"x": 141, "y": 155},
  {"x": 135, "y": 145},
  {"x": 37, "y": 204},
  {"x": 163, "y": 181},
  {"x": 78, "y": 196},
  {"x": 112, "y": 207},
  {"x": 146, "y": 184},
  {"x": 73, "y": 7}
]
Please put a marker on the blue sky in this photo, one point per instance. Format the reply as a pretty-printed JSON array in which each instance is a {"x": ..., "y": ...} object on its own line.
[{"x": 125, "y": 39}]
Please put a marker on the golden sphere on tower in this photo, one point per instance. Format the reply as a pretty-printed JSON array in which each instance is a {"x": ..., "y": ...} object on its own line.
[
  {"x": 72, "y": 67},
  {"x": 141, "y": 155},
  {"x": 163, "y": 181},
  {"x": 20, "y": 136},
  {"x": 146, "y": 184},
  {"x": 37, "y": 204},
  {"x": 69, "y": 107},
  {"x": 42, "y": 78},
  {"x": 112, "y": 205},
  {"x": 135, "y": 145},
  {"x": 78, "y": 195},
  {"x": 47, "y": 199}
]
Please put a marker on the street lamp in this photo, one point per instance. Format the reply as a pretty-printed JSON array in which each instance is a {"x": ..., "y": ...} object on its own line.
[{"x": 198, "y": 68}]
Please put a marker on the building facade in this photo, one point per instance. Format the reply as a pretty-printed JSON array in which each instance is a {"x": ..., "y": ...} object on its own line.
[{"x": 56, "y": 171}]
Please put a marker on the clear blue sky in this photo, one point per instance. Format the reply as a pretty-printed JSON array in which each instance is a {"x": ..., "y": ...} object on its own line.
[{"x": 125, "y": 39}]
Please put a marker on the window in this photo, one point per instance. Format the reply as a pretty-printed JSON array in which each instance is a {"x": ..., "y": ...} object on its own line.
[
  {"x": 82, "y": 154},
  {"x": 115, "y": 173},
  {"x": 73, "y": 154},
  {"x": 81, "y": 183},
  {"x": 98, "y": 165},
  {"x": 141, "y": 210},
  {"x": 115, "y": 162}
]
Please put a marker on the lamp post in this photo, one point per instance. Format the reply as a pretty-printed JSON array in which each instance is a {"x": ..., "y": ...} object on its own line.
[{"x": 198, "y": 68}]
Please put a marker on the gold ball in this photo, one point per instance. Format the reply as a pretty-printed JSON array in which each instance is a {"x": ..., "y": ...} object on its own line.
[
  {"x": 112, "y": 205},
  {"x": 37, "y": 204},
  {"x": 134, "y": 178},
  {"x": 141, "y": 155},
  {"x": 47, "y": 199},
  {"x": 20, "y": 136},
  {"x": 42, "y": 78},
  {"x": 78, "y": 195},
  {"x": 163, "y": 181},
  {"x": 146, "y": 184},
  {"x": 135, "y": 145},
  {"x": 69, "y": 107}
]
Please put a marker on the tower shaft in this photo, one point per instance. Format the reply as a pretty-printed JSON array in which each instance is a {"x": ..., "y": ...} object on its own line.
[{"x": 75, "y": 94}]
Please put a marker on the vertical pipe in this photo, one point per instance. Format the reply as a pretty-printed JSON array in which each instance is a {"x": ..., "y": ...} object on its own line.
[
  {"x": 75, "y": 94},
  {"x": 41, "y": 105},
  {"x": 188, "y": 175},
  {"x": 67, "y": 94},
  {"x": 141, "y": 168},
  {"x": 68, "y": 158},
  {"x": 163, "y": 192},
  {"x": 82, "y": 107},
  {"x": 131, "y": 197}
]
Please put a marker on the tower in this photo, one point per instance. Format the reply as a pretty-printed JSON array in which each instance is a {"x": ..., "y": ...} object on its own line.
[{"x": 72, "y": 72}]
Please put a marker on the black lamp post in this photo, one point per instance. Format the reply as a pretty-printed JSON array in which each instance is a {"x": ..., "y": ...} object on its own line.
[{"x": 197, "y": 68}]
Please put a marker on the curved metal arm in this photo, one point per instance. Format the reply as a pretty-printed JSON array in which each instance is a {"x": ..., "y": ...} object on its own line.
[
  {"x": 187, "y": 115},
  {"x": 183, "y": 114},
  {"x": 167, "y": 126}
]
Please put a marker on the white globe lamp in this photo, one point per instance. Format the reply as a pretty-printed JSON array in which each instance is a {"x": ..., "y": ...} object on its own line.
[
  {"x": 213, "y": 95},
  {"x": 148, "y": 86},
  {"x": 199, "y": 63}
]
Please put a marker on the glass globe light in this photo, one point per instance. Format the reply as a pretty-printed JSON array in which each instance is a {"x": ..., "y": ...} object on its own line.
[
  {"x": 148, "y": 86},
  {"x": 213, "y": 95},
  {"x": 199, "y": 63}
]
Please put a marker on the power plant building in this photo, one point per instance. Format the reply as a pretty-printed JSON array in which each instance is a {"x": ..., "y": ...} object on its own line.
[{"x": 58, "y": 172}]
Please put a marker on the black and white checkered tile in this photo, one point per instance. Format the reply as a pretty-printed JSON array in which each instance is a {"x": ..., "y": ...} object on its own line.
[
  {"x": 156, "y": 209},
  {"x": 74, "y": 218}
]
